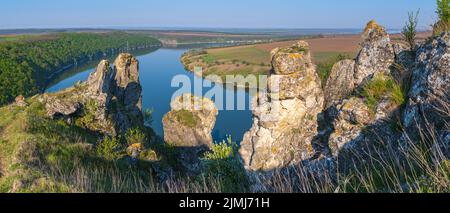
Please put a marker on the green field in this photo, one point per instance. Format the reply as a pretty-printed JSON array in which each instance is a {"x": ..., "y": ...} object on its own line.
[
  {"x": 249, "y": 54},
  {"x": 252, "y": 59}
]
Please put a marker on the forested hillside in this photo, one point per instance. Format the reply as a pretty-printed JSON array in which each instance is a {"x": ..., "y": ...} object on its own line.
[{"x": 27, "y": 63}]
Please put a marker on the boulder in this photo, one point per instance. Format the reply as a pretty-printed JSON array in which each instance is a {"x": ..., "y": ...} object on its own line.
[
  {"x": 429, "y": 94},
  {"x": 284, "y": 116},
  {"x": 340, "y": 84},
  {"x": 188, "y": 127}
]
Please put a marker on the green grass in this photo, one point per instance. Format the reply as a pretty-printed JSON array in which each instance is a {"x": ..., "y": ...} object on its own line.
[
  {"x": 209, "y": 59},
  {"x": 249, "y": 54},
  {"x": 222, "y": 163},
  {"x": 382, "y": 86},
  {"x": 186, "y": 117}
]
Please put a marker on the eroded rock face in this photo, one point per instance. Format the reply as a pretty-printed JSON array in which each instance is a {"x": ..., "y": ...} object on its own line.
[
  {"x": 127, "y": 101},
  {"x": 285, "y": 118},
  {"x": 353, "y": 115},
  {"x": 376, "y": 55},
  {"x": 188, "y": 127},
  {"x": 108, "y": 102},
  {"x": 340, "y": 84},
  {"x": 350, "y": 115},
  {"x": 430, "y": 87}
]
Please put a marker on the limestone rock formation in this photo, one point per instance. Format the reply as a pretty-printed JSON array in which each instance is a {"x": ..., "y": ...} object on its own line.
[
  {"x": 340, "y": 83},
  {"x": 290, "y": 60},
  {"x": 350, "y": 115},
  {"x": 376, "y": 54},
  {"x": 108, "y": 102},
  {"x": 188, "y": 127},
  {"x": 127, "y": 90},
  {"x": 430, "y": 87},
  {"x": 353, "y": 115},
  {"x": 285, "y": 117}
]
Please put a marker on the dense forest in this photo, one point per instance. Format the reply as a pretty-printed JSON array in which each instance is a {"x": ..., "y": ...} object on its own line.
[{"x": 26, "y": 64}]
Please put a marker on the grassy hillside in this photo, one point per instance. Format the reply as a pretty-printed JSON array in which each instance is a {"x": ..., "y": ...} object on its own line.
[
  {"x": 27, "y": 62},
  {"x": 42, "y": 155},
  {"x": 38, "y": 154}
]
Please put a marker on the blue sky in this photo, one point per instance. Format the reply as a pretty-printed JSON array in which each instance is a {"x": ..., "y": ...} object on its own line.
[{"x": 211, "y": 13}]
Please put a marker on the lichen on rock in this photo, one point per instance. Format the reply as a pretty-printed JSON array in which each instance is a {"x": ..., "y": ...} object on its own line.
[
  {"x": 376, "y": 54},
  {"x": 429, "y": 94}
]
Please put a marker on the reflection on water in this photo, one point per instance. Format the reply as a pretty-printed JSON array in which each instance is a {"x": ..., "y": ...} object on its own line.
[{"x": 156, "y": 72}]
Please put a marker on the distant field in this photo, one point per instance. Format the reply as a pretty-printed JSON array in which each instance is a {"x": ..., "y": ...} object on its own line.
[
  {"x": 322, "y": 49},
  {"x": 255, "y": 59}
]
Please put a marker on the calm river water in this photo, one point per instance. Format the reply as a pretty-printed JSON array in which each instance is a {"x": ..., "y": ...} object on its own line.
[{"x": 157, "y": 70}]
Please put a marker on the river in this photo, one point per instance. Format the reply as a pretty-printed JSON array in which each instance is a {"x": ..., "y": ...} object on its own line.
[{"x": 157, "y": 70}]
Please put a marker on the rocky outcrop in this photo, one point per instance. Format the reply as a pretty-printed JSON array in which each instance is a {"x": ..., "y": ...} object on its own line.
[
  {"x": 429, "y": 94},
  {"x": 285, "y": 117},
  {"x": 127, "y": 100},
  {"x": 109, "y": 102},
  {"x": 349, "y": 116},
  {"x": 376, "y": 54},
  {"x": 188, "y": 127},
  {"x": 353, "y": 115}
]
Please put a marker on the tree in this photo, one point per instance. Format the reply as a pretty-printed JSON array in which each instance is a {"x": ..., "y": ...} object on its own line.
[{"x": 409, "y": 31}]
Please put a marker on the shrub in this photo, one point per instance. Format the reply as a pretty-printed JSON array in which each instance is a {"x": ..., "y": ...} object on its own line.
[
  {"x": 223, "y": 164},
  {"x": 108, "y": 148},
  {"x": 409, "y": 30},
  {"x": 135, "y": 136},
  {"x": 148, "y": 117}
]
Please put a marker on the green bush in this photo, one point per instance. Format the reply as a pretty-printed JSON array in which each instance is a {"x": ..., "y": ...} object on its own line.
[
  {"x": 443, "y": 12},
  {"x": 148, "y": 117},
  {"x": 409, "y": 30},
  {"x": 135, "y": 136},
  {"x": 108, "y": 148},
  {"x": 223, "y": 164}
]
